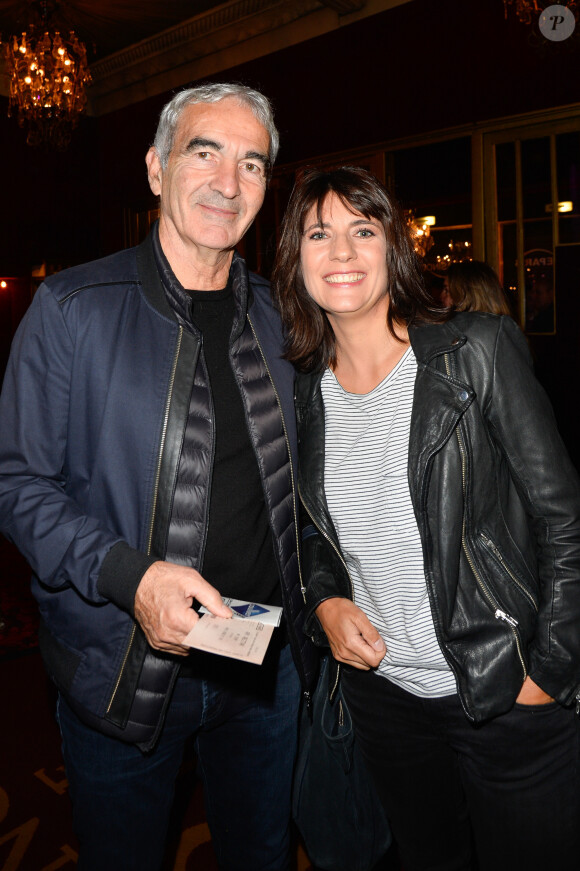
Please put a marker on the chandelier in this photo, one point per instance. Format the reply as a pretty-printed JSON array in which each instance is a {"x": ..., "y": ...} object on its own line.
[
  {"x": 420, "y": 232},
  {"x": 48, "y": 72},
  {"x": 457, "y": 252},
  {"x": 528, "y": 11}
]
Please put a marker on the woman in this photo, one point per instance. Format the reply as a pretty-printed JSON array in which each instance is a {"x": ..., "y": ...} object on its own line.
[
  {"x": 444, "y": 571},
  {"x": 473, "y": 286}
]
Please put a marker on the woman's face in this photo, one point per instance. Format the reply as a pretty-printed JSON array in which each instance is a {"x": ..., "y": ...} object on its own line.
[{"x": 344, "y": 261}]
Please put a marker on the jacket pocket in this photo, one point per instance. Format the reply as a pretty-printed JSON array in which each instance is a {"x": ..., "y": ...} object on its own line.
[
  {"x": 491, "y": 583},
  {"x": 514, "y": 580}
]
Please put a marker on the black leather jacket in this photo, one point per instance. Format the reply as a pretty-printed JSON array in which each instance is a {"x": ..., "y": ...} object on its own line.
[{"x": 497, "y": 502}]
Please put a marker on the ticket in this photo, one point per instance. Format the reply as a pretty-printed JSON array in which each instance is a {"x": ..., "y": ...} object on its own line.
[
  {"x": 267, "y": 614},
  {"x": 246, "y": 640}
]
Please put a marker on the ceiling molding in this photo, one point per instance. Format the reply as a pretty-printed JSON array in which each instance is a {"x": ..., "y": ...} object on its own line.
[
  {"x": 225, "y": 36},
  {"x": 170, "y": 59},
  {"x": 216, "y": 23},
  {"x": 236, "y": 32},
  {"x": 344, "y": 7}
]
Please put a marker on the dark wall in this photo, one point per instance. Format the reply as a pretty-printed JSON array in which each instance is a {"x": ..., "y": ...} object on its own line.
[
  {"x": 50, "y": 200},
  {"x": 422, "y": 66}
]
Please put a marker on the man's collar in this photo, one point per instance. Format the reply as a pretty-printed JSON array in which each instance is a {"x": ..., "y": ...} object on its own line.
[
  {"x": 176, "y": 294},
  {"x": 178, "y": 297}
]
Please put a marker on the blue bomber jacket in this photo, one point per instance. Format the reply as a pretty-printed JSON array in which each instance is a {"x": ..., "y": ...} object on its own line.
[{"x": 92, "y": 417}]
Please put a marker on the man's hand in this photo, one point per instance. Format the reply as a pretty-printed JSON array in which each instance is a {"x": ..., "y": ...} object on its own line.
[
  {"x": 352, "y": 637},
  {"x": 163, "y": 605},
  {"x": 531, "y": 694}
]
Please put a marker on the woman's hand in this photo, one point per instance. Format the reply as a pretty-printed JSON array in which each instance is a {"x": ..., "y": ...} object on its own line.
[
  {"x": 352, "y": 637},
  {"x": 531, "y": 694}
]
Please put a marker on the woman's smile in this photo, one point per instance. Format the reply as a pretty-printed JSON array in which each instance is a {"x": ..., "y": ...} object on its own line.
[{"x": 345, "y": 277}]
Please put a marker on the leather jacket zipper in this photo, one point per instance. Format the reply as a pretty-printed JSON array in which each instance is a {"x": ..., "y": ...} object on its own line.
[
  {"x": 302, "y": 587},
  {"x": 498, "y": 555},
  {"x": 341, "y": 558},
  {"x": 499, "y": 614},
  {"x": 331, "y": 543},
  {"x": 154, "y": 505}
]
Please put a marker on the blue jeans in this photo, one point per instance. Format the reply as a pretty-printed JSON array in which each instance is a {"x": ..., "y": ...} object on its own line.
[
  {"x": 244, "y": 719},
  {"x": 502, "y": 796}
]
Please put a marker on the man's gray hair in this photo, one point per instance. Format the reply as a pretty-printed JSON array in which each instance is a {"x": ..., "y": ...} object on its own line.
[{"x": 213, "y": 93}]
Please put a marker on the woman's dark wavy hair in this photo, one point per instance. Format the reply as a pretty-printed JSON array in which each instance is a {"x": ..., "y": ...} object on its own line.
[{"x": 310, "y": 340}]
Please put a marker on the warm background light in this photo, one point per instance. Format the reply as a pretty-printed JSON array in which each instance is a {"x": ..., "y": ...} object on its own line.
[{"x": 564, "y": 206}]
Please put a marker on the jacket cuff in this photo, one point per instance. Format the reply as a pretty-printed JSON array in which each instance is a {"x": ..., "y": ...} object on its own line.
[
  {"x": 557, "y": 683},
  {"x": 121, "y": 573},
  {"x": 312, "y": 625},
  {"x": 313, "y": 629}
]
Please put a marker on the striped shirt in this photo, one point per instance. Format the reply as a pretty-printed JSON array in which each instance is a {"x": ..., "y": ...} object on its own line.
[{"x": 367, "y": 445}]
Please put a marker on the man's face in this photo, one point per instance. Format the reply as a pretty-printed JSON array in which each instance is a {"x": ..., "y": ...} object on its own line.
[{"x": 215, "y": 179}]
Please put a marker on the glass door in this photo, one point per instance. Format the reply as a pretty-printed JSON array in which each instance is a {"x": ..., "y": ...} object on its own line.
[{"x": 532, "y": 205}]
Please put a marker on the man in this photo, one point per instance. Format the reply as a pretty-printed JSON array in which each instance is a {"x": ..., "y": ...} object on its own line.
[{"x": 146, "y": 451}]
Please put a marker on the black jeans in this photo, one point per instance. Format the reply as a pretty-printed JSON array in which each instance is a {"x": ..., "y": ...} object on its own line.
[{"x": 503, "y": 796}]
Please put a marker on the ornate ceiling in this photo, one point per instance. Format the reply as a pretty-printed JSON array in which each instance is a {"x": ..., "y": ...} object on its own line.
[
  {"x": 137, "y": 49},
  {"x": 106, "y": 25}
]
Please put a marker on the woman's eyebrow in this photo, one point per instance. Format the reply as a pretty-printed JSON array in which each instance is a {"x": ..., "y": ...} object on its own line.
[
  {"x": 320, "y": 224},
  {"x": 355, "y": 223}
]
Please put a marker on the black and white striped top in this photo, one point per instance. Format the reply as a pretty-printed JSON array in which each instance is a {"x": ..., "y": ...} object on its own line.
[{"x": 367, "y": 444}]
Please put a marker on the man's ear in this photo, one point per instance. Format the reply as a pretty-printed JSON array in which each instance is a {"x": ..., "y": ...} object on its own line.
[{"x": 154, "y": 171}]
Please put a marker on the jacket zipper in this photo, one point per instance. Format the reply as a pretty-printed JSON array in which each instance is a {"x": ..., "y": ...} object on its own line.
[
  {"x": 154, "y": 504},
  {"x": 331, "y": 543},
  {"x": 294, "y": 511},
  {"x": 498, "y": 555},
  {"x": 499, "y": 614},
  {"x": 341, "y": 558},
  {"x": 203, "y": 543},
  {"x": 450, "y": 662},
  {"x": 307, "y": 695}
]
